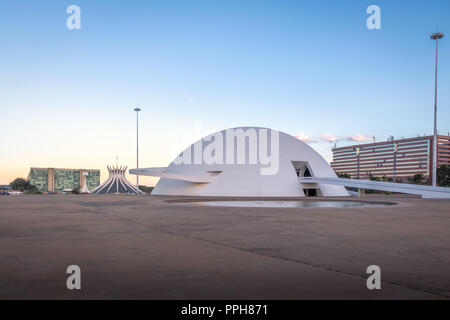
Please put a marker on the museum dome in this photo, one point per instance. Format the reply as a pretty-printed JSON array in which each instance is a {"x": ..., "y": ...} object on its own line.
[{"x": 245, "y": 161}]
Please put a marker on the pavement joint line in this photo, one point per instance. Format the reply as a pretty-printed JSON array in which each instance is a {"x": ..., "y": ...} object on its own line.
[
  {"x": 283, "y": 258},
  {"x": 445, "y": 295}
]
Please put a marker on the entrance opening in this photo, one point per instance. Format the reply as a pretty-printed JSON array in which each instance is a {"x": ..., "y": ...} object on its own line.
[
  {"x": 310, "y": 192},
  {"x": 303, "y": 170},
  {"x": 307, "y": 173}
]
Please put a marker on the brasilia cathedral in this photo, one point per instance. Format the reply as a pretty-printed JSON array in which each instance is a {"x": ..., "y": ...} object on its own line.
[{"x": 116, "y": 182}]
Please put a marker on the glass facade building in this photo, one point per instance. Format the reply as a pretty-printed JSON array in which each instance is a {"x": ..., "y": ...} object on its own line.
[{"x": 59, "y": 180}]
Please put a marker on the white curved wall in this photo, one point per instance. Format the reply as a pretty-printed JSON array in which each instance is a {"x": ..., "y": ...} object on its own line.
[{"x": 246, "y": 179}]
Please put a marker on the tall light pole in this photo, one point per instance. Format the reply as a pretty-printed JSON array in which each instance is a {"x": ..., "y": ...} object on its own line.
[
  {"x": 435, "y": 36},
  {"x": 137, "y": 148}
]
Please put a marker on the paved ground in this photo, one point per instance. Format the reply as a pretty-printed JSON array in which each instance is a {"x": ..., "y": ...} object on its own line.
[{"x": 144, "y": 247}]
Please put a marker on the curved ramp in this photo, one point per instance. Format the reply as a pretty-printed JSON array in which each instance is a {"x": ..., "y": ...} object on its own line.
[{"x": 424, "y": 191}]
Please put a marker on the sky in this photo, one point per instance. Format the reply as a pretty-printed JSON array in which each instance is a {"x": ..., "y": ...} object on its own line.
[{"x": 308, "y": 68}]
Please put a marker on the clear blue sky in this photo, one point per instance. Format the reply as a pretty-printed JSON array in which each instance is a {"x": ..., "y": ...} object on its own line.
[{"x": 310, "y": 67}]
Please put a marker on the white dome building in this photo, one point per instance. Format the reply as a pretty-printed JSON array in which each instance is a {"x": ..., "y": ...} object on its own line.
[{"x": 248, "y": 162}]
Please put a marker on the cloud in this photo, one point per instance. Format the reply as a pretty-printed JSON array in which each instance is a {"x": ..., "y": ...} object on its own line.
[
  {"x": 329, "y": 137},
  {"x": 191, "y": 99},
  {"x": 303, "y": 137},
  {"x": 360, "y": 138}
]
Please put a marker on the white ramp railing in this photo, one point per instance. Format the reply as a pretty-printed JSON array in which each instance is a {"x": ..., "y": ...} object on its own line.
[{"x": 424, "y": 191}]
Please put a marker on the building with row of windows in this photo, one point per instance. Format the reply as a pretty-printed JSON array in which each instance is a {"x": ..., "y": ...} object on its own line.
[
  {"x": 5, "y": 187},
  {"x": 396, "y": 159},
  {"x": 60, "y": 180}
]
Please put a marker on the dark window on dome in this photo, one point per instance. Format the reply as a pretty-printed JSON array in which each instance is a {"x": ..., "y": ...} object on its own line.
[{"x": 307, "y": 173}]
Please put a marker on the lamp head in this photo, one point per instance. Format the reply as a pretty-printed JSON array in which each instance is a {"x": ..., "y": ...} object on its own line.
[
  {"x": 437, "y": 35},
  {"x": 137, "y": 109}
]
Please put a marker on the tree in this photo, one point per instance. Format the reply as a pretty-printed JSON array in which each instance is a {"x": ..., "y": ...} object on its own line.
[
  {"x": 146, "y": 189},
  {"x": 76, "y": 191},
  {"x": 23, "y": 185},
  {"x": 416, "y": 179},
  {"x": 33, "y": 190},
  {"x": 20, "y": 184},
  {"x": 443, "y": 176}
]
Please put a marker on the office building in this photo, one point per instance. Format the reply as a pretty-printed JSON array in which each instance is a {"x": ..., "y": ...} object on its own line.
[
  {"x": 396, "y": 159},
  {"x": 60, "y": 180}
]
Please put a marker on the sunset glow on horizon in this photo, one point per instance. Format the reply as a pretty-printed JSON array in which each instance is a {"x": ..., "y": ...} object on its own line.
[{"x": 67, "y": 96}]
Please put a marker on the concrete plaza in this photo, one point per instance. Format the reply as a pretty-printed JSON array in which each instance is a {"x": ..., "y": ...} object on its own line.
[{"x": 146, "y": 248}]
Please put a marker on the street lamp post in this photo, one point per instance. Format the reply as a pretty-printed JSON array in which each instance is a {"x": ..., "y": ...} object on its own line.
[
  {"x": 137, "y": 148},
  {"x": 435, "y": 36}
]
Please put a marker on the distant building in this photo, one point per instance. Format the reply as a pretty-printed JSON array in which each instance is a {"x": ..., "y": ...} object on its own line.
[
  {"x": 59, "y": 180},
  {"x": 116, "y": 183},
  {"x": 393, "y": 158},
  {"x": 5, "y": 187}
]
